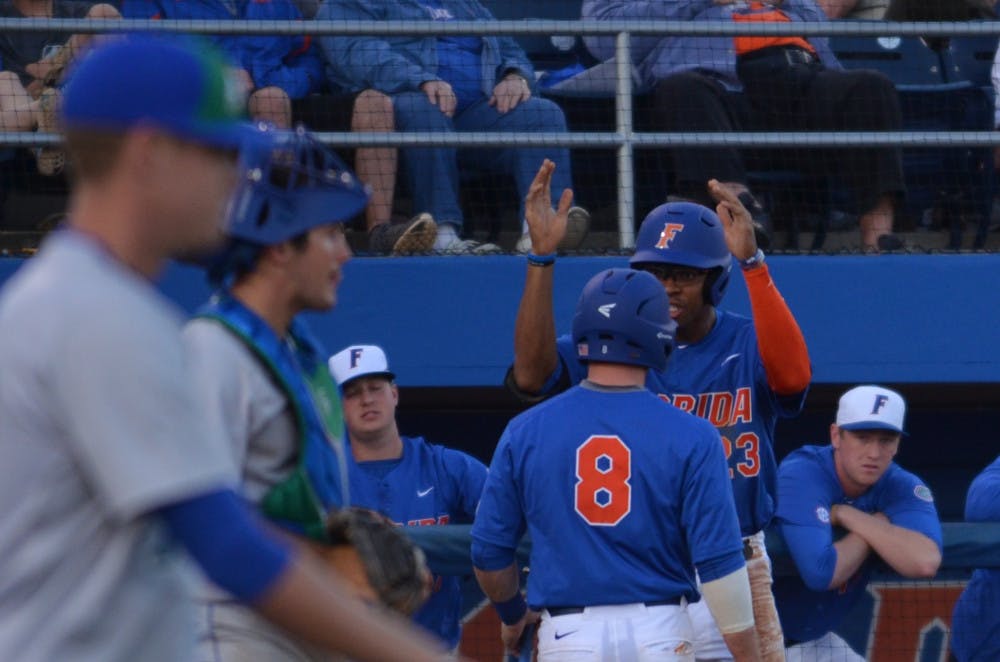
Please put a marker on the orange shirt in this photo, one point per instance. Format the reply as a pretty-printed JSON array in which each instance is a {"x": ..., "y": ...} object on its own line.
[{"x": 761, "y": 13}]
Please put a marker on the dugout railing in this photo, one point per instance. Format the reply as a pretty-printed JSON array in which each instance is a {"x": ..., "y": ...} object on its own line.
[
  {"x": 897, "y": 620},
  {"x": 624, "y": 139}
]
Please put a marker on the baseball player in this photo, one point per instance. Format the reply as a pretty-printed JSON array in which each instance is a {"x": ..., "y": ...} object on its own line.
[
  {"x": 412, "y": 482},
  {"x": 841, "y": 505},
  {"x": 623, "y": 496},
  {"x": 110, "y": 463},
  {"x": 738, "y": 373},
  {"x": 975, "y": 623},
  {"x": 263, "y": 376}
]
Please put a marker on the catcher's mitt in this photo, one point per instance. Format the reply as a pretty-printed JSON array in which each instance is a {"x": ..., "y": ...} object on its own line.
[{"x": 395, "y": 568}]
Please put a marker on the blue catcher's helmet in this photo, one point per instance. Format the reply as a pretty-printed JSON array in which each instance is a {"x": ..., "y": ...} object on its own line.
[
  {"x": 624, "y": 317},
  {"x": 689, "y": 235},
  {"x": 291, "y": 183}
]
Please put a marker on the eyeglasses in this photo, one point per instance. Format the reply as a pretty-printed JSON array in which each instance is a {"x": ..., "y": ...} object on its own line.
[{"x": 680, "y": 275}]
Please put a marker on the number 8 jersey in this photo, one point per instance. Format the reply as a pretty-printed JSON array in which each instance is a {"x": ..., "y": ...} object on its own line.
[
  {"x": 721, "y": 378},
  {"x": 621, "y": 493}
]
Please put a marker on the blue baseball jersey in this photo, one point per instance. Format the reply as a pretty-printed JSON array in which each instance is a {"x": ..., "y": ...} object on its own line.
[
  {"x": 429, "y": 485},
  {"x": 975, "y": 623},
  {"x": 621, "y": 493},
  {"x": 807, "y": 487},
  {"x": 721, "y": 378}
]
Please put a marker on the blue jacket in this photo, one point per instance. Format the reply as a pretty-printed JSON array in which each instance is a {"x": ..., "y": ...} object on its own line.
[
  {"x": 659, "y": 57},
  {"x": 401, "y": 63},
  {"x": 289, "y": 62}
]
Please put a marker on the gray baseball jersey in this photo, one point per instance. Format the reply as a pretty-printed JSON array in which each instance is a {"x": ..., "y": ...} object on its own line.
[
  {"x": 245, "y": 403},
  {"x": 261, "y": 437},
  {"x": 98, "y": 427}
]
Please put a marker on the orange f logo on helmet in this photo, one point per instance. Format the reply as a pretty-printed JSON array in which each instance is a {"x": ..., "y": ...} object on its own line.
[{"x": 670, "y": 231}]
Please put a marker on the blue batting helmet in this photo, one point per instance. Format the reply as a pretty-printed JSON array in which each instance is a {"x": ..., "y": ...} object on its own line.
[
  {"x": 624, "y": 317},
  {"x": 291, "y": 183},
  {"x": 689, "y": 235}
]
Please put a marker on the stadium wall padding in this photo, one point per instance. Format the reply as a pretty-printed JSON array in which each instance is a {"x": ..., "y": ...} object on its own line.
[{"x": 448, "y": 321}]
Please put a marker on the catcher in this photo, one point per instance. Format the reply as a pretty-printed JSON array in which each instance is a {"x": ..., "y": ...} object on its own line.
[{"x": 265, "y": 379}]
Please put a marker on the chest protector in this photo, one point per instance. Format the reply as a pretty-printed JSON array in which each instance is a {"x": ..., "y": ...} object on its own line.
[{"x": 298, "y": 367}]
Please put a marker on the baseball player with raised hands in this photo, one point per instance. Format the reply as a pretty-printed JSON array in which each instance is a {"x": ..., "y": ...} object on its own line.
[
  {"x": 111, "y": 466},
  {"x": 412, "y": 481},
  {"x": 623, "y": 496},
  {"x": 741, "y": 374}
]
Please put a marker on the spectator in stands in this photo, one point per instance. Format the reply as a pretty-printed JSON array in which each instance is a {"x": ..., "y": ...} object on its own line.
[
  {"x": 841, "y": 506},
  {"x": 33, "y": 65},
  {"x": 865, "y": 9},
  {"x": 975, "y": 623},
  {"x": 412, "y": 482},
  {"x": 274, "y": 70},
  {"x": 446, "y": 84},
  {"x": 789, "y": 83}
]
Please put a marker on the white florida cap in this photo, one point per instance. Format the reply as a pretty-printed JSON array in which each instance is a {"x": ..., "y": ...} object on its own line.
[
  {"x": 359, "y": 361},
  {"x": 871, "y": 408}
]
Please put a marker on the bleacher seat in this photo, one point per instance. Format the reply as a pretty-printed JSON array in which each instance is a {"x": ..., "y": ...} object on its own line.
[
  {"x": 546, "y": 52},
  {"x": 954, "y": 182},
  {"x": 970, "y": 58}
]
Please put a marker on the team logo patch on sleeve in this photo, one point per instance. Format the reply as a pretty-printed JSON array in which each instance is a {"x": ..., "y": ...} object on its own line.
[
  {"x": 822, "y": 514},
  {"x": 923, "y": 493}
]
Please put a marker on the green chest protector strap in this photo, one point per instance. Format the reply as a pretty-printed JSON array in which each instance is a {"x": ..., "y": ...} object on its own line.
[{"x": 298, "y": 366}]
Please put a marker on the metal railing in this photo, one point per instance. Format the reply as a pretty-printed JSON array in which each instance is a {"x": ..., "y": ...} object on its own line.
[{"x": 623, "y": 139}]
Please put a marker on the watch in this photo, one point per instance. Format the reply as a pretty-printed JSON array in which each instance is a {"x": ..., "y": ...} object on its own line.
[{"x": 753, "y": 261}]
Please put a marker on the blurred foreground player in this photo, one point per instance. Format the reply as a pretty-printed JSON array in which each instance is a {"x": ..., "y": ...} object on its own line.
[
  {"x": 740, "y": 374},
  {"x": 110, "y": 465},
  {"x": 623, "y": 496},
  {"x": 841, "y": 506}
]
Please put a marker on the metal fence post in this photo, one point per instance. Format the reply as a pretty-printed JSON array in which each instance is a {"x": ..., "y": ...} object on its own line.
[{"x": 623, "y": 125}]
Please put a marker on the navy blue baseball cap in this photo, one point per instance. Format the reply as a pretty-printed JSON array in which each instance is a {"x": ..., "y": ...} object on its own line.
[{"x": 180, "y": 86}]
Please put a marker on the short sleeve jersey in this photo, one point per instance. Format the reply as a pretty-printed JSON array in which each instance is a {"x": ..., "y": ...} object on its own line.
[
  {"x": 18, "y": 49},
  {"x": 621, "y": 493},
  {"x": 807, "y": 488},
  {"x": 721, "y": 378},
  {"x": 245, "y": 405},
  {"x": 429, "y": 485},
  {"x": 98, "y": 428}
]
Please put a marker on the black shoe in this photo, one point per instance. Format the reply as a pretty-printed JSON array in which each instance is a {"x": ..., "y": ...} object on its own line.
[{"x": 890, "y": 242}]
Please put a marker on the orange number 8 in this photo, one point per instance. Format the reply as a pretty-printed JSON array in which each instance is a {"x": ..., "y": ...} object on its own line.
[{"x": 603, "y": 467}]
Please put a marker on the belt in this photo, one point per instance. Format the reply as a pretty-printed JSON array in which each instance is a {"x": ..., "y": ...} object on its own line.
[
  {"x": 747, "y": 549},
  {"x": 563, "y": 611},
  {"x": 787, "y": 54}
]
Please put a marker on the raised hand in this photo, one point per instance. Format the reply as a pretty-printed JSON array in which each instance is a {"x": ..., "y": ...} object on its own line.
[
  {"x": 736, "y": 221},
  {"x": 546, "y": 226}
]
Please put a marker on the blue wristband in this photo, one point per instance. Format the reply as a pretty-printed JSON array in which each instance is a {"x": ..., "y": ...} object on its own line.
[
  {"x": 541, "y": 260},
  {"x": 513, "y": 610}
]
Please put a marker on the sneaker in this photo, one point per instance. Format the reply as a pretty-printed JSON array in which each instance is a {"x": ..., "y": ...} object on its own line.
[
  {"x": 470, "y": 247},
  {"x": 51, "y": 160},
  {"x": 577, "y": 226},
  {"x": 414, "y": 236}
]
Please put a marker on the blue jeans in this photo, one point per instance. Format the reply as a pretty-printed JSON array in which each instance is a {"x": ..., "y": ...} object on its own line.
[{"x": 432, "y": 172}]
